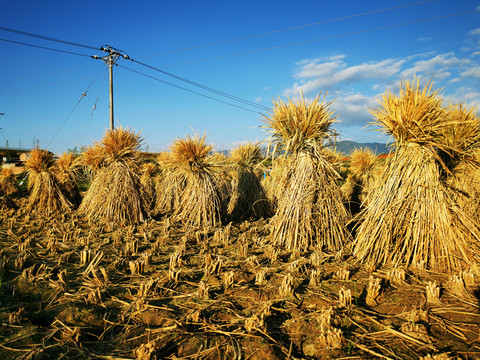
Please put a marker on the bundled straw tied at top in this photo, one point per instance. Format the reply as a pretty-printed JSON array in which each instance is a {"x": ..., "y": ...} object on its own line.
[
  {"x": 46, "y": 192},
  {"x": 194, "y": 173},
  {"x": 248, "y": 200},
  {"x": 411, "y": 218},
  {"x": 116, "y": 194},
  {"x": 311, "y": 212}
]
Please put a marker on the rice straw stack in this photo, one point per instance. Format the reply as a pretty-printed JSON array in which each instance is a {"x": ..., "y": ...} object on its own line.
[
  {"x": 248, "y": 200},
  {"x": 116, "y": 194},
  {"x": 195, "y": 174},
  {"x": 46, "y": 193},
  {"x": 411, "y": 217},
  {"x": 359, "y": 180},
  {"x": 464, "y": 135},
  {"x": 66, "y": 169},
  {"x": 310, "y": 213}
]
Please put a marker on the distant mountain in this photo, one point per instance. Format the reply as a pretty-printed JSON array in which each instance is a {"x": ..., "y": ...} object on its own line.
[{"x": 347, "y": 146}]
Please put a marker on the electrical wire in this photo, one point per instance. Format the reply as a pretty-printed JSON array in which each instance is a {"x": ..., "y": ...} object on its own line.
[
  {"x": 84, "y": 94},
  {"x": 2, "y": 28},
  {"x": 43, "y": 47},
  {"x": 232, "y": 97},
  {"x": 290, "y": 29},
  {"x": 44, "y": 74},
  {"x": 94, "y": 106},
  {"x": 45, "y": 84},
  {"x": 323, "y": 38},
  {"x": 191, "y": 91}
]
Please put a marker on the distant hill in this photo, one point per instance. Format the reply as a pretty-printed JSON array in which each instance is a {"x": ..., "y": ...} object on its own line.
[{"x": 346, "y": 147}]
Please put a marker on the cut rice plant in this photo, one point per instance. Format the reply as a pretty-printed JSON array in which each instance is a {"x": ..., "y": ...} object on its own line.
[
  {"x": 194, "y": 173},
  {"x": 310, "y": 212},
  {"x": 248, "y": 200},
  {"x": 411, "y": 217},
  {"x": 116, "y": 194},
  {"x": 46, "y": 192}
]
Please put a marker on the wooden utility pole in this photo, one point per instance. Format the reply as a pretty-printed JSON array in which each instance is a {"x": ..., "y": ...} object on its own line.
[{"x": 110, "y": 60}]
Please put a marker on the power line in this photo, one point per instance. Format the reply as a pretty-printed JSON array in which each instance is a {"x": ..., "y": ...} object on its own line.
[
  {"x": 84, "y": 94},
  {"x": 43, "y": 47},
  {"x": 290, "y": 29},
  {"x": 233, "y": 97},
  {"x": 94, "y": 107},
  {"x": 42, "y": 85},
  {"x": 47, "y": 38},
  {"x": 44, "y": 74},
  {"x": 323, "y": 38},
  {"x": 191, "y": 91}
]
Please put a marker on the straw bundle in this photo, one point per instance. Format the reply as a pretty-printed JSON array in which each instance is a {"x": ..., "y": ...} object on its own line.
[
  {"x": 194, "y": 172},
  {"x": 412, "y": 218},
  {"x": 359, "y": 181},
  {"x": 46, "y": 192},
  {"x": 464, "y": 135},
  {"x": 310, "y": 212},
  {"x": 169, "y": 187},
  {"x": 66, "y": 168},
  {"x": 276, "y": 179},
  {"x": 116, "y": 194},
  {"x": 8, "y": 185},
  {"x": 149, "y": 173},
  {"x": 248, "y": 200}
]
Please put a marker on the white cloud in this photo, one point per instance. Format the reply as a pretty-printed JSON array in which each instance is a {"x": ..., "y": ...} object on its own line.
[
  {"x": 474, "y": 32},
  {"x": 315, "y": 75},
  {"x": 258, "y": 99},
  {"x": 357, "y": 87},
  {"x": 472, "y": 72},
  {"x": 423, "y": 39},
  {"x": 435, "y": 67},
  {"x": 354, "y": 108},
  {"x": 464, "y": 95}
]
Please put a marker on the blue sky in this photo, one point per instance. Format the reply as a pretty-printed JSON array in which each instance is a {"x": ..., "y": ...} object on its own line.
[{"x": 355, "y": 52}]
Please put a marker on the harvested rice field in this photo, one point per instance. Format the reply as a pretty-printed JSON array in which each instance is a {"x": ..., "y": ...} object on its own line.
[
  {"x": 156, "y": 291},
  {"x": 193, "y": 254}
]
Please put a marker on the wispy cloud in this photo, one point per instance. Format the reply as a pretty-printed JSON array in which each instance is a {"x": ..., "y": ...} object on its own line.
[
  {"x": 358, "y": 87},
  {"x": 423, "y": 39}
]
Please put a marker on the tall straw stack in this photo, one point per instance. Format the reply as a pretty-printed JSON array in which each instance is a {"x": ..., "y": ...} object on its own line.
[
  {"x": 248, "y": 200},
  {"x": 412, "y": 218},
  {"x": 311, "y": 212},
  {"x": 46, "y": 192},
  {"x": 116, "y": 194},
  {"x": 195, "y": 174}
]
